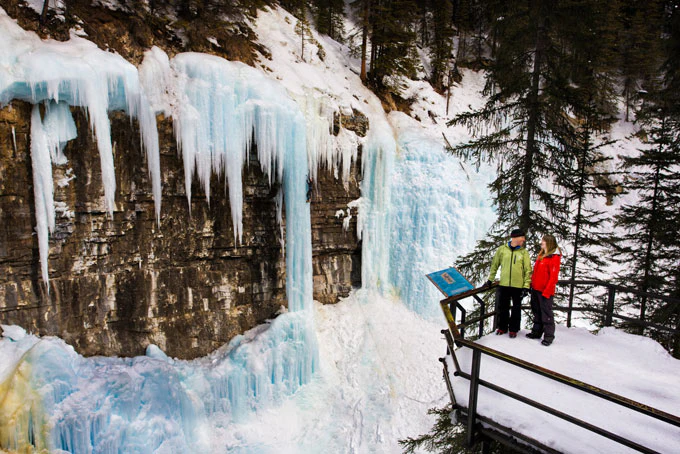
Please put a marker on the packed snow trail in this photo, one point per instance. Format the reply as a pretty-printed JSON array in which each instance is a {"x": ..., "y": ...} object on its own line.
[{"x": 631, "y": 366}]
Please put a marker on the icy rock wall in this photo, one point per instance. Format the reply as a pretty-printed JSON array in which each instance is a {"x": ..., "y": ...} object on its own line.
[
  {"x": 120, "y": 283},
  {"x": 122, "y": 276}
]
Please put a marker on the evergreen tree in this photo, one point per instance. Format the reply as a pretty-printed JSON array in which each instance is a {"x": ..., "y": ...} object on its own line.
[
  {"x": 587, "y": 237},
  {"x": 329, "y": 16},
  {"x": 441, "y": 47},
  {"x": 388, "y": 31},
  {"x": 470, "y": 20},
  {"x": 392, "y": 42},
  {"x": 639, "y": 46},
  {"x": 448, "y": 436},
  {"x": 363, "y": 9},
  {"x": 303, "y": 31},
  {"x": 508, "y": 128},
  {"x": 538, "y": 82},
  {"x": 588, "y": 90},
  {"x": 650, "y": 244}
]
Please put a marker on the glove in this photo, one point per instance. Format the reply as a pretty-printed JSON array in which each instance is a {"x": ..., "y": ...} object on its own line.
[
  {"x": 525, "y": 293},
  {"x": 487, "y": 284}
]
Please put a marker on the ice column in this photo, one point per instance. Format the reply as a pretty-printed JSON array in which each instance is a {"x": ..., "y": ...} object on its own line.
[
  {"x": 374, "y": 218},
  {"x": 440, "y": 208},
  {"x": 43, "y": 190}
]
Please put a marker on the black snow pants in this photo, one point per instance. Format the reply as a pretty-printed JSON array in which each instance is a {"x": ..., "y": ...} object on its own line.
[
  {"x": 542, "y": 309},
  {"x": 507, "y": 319}
]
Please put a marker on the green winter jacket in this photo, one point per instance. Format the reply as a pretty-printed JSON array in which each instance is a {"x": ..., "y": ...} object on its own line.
[{"x": 515, "y": 267}]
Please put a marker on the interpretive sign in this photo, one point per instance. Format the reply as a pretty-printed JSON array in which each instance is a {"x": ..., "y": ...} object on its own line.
[{"x": 450, "y": 282}]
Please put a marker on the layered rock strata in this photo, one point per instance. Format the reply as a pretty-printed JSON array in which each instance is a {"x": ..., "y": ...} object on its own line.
[{"x": 120, "y": 283}]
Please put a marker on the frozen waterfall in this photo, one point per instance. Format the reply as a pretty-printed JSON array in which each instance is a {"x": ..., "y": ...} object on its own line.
[
  {"x": 54, "y": 398},
  {"x": 74, "y": 73},
  {"x": 439, "y": 207}
]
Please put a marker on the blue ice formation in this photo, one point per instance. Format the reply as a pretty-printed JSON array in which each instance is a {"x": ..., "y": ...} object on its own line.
[
  {"x": 420, "y": 209},
  {"x": 153, "y": 403},
  {"x": 55, "y": 399},
  {"x": 439, "y": 207},
  {"x": 374, "y": 216}
]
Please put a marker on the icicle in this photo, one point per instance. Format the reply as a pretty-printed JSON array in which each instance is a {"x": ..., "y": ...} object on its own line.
[
  {"x": 346, "y": 149},
  {"x": 78, "y": 73},
  {"x": 59, "y": 128},
  {"x": 279, "y": 218},
  {"x": 97, "y": 103},
  {"x": 43, "y": 190},
  {"x": 148, "y": 130},
  {"x": 222, "y": 107},
  {"x": 336, "y": 153}
]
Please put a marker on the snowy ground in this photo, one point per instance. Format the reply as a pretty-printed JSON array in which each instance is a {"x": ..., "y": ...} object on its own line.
[
  {"x": 379, "y": 375},
  {"x": 632, "y": 366}
]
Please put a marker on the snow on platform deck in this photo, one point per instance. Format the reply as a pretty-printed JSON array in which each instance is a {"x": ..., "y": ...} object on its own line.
[{"x": 632, "y": 366}]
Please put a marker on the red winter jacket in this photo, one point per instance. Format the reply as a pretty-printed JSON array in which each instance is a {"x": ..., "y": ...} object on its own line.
[{"x": 546, "y": 272}]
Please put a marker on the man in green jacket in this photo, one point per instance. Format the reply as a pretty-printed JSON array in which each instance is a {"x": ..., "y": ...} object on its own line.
[{"x": 515, "y": 264}]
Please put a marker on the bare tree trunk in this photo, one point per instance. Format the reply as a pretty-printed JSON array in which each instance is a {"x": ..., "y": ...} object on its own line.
[
  {"x": 675, "y": 347},
  {"x": 648, "y": 250},
  {"x": 364, "y": 39},
  {"x": 43, "y": 15}
]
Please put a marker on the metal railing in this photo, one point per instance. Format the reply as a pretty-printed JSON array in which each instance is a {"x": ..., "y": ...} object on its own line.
[
  {"x": 608, "y": 312},
  {"x": 455, "y": 336}
]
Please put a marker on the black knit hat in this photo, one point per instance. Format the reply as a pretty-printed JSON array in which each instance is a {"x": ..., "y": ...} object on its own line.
[{"x": 517, "y": 232}]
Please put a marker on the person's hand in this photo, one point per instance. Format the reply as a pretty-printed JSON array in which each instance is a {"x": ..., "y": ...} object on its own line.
[
  {"x": 525, "y": 292},
  {"x": 487, "y": 284}
]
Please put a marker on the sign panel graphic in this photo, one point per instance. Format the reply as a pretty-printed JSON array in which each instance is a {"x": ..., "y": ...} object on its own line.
[{"x": 450, "y": 282}]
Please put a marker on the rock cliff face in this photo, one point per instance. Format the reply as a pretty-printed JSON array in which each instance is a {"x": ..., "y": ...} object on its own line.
[{"x": 118, "y": 284}]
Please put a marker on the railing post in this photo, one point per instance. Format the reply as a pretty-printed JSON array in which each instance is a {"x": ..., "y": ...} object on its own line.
[
  {"x": 463, "y": 314},
  {"x": 570, "y": 306},
  {"x": 482, "y": 313},
  {"x": 472, "y": 400},
  {"x": 447, "y": 380},
  {"x": 482, "y": 305},
  {"x": 611, "y": 294}
]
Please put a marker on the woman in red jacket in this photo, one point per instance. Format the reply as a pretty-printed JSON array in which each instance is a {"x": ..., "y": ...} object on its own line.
[{"x": 543, "y": 281}]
